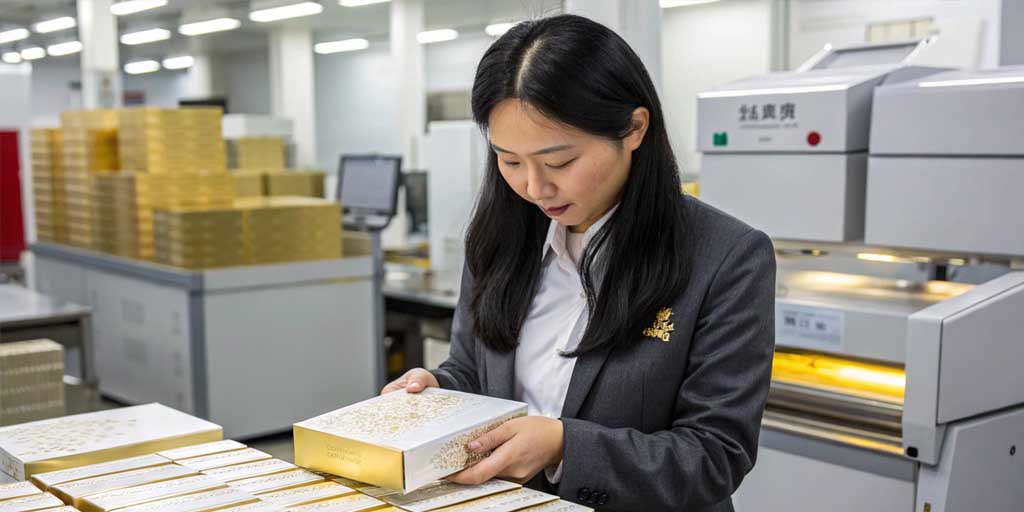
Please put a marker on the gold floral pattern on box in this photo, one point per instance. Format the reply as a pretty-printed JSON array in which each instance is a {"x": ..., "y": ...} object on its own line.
[
  {"x": 394, "y": 415},
  {"x": 454, "y": 455}
]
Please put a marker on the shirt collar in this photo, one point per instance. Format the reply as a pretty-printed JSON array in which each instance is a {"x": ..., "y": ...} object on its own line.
[{"x": 555, "y": 240}]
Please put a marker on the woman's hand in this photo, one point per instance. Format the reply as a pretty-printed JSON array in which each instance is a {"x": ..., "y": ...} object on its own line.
[
  {"x": 522, "y": 448},
  {"x": 413, "y": 381}
]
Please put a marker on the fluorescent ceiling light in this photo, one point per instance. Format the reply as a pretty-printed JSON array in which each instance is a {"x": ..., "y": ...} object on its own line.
[
  {"x": 436, "y": 36},
  {"x": 286, "y": 11},
  {"x": 181, "y": 62},
  {"x": 12, "y": 57},
  {"x": 665, "y": 4},
  {"x": 360, "y": 3},
  {"x": 208, "y": 26},
  {"x": 776, "y": 90},
  {"x": 974, "y": 81},
  {"x": 16, "y": 34},
  {"x": 146, "y": 36},
  {"x": 141, "y": 66},
  {"x": 62, "y": 23},
  {"x": 56, "y": 50},
  {"x": 134, "y": 6},
  {"x": 36, "y": 52},
  {"x": 347, "y": 45},
  {"x": 498, "y": 29}
]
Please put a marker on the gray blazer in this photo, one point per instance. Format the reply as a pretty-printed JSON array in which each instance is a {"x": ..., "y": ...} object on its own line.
[{"x": 659, "y": 425}]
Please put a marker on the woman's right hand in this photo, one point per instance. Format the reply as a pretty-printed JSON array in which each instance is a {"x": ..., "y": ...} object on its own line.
[{"x": 413, "y": 381}]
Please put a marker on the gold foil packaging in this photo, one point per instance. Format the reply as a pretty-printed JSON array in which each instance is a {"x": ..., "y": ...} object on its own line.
[
  {"x": 47, "y": 480},
  {"x": 401, "y": 441},
  {"x": 92, "y": 438},
  {"x": 439, "y": 495}
]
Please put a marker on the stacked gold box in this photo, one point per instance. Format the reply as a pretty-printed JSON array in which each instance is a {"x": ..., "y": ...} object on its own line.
[
  {"x": 48, "y": 185},
  {"x": 89, "y": 148},
  {"x": 251, "y": 232},
  {"x": 257, "y": 153},
  {"x": 199, "y": 237},
  {"x": 283, "y": 229},
  {"x": 31, "y": 381},
  {"x": 172, "y": 141},
  {"x": 127, "y": 201}
]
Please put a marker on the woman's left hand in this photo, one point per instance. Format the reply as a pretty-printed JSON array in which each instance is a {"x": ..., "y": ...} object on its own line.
[{"x": 522, "y": 448}]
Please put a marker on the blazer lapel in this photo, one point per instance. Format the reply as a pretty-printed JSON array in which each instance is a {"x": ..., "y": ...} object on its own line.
[
  {"x": 501, "y": 368},
  {"x": 588, "y": 366}
]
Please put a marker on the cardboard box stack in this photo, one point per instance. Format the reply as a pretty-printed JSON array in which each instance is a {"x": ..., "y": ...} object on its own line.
[
  {"x": 199, "y": 237},
  {"x": 48, "y": 185},
  {"x": 89, "y": 148},
  {"x": 31, "y": 381}
]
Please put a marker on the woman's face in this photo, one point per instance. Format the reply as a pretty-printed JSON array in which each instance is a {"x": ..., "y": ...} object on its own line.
[{"x": 572, "y": 176}]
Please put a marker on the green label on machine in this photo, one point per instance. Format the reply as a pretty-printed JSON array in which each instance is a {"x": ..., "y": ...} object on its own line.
[{"x": 720, "y": 139}]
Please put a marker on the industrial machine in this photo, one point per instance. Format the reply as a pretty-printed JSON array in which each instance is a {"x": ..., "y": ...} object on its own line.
[{"x": 889, "y": 192}]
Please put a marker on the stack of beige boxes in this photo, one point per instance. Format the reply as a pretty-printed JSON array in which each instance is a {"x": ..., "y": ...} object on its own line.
[
  {"x": 48, "y": 185},
  {"x": 170, "y": 158},
  {"x": 31, "y": 381},
  {"x": 153, "y": 459},
  {"x": 256, "y": 153},
  {"x": 89, "y": 148}
]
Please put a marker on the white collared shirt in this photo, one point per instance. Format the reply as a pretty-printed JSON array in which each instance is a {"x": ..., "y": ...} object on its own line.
[{"x": 555, "y": 323}]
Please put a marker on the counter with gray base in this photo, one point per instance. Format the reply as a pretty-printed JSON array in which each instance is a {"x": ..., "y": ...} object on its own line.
[{"x": 253, "y": 349}]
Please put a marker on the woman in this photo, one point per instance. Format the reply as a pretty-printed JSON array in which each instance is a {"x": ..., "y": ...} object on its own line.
[{"x": 636, "y": 323}]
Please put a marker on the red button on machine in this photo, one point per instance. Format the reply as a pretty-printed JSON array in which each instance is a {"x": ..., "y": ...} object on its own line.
[{"x": 814, "y": 138}]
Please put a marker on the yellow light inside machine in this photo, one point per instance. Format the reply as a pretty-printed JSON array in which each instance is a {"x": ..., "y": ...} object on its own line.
[{"x": 839, "y": 374}]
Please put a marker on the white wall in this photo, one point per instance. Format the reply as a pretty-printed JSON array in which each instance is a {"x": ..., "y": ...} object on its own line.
[
  {"x": 357, "y": 94},
  {"x": 245, "y": 79},
  {"x": 356, "y": 104},
  {"x": 52, "y": 93},
  {"x": 704, "y": 46},
  {"x": 451, "y": 66},
  {"x": 162, "y": 89},
  {"x": 51, "y": 90},
  {"x": 969, "y": 32}
]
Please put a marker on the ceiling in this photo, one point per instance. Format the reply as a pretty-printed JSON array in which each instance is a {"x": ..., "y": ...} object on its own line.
[{"x": 335, "y": 22}]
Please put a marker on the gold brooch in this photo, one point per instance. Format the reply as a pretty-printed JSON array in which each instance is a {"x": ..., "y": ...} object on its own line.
[{"x": 661, "y": 328}]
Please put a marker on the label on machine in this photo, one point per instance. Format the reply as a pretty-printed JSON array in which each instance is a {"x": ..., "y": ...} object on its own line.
[{"x": 809, "y": 327}]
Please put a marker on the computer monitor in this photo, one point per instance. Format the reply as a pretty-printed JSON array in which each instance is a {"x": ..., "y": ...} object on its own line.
[
  {"x": 416, "y": 199},
  {"x": 368, "y": 189}
]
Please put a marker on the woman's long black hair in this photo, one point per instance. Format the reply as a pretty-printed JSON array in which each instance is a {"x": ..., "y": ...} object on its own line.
[{"x": 582, "y": 74}]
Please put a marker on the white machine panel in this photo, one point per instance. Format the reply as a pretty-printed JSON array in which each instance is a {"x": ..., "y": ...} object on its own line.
[
  {"x": 982, "y": 350},
  {"x": 952, "y": 113},
  {"x": 784, "y": 482},
  {"x": 981, "y": 467},
  {"x": 791, "y": 196},
  {"x": 981, "y": 209},
  {"x": 782, "y": 111}
]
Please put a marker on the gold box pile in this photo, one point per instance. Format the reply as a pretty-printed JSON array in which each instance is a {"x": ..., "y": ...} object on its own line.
[
  {"x": 253, "y": 231},
  {"x": 153, "y": 459},
  {"x": 48, "y": 185},
  {"x": 88, "y": 148},
  {"x": 171, "y": 141},
  {"x": 31, "y": 381},
  {"x": 278, "y": 182},
  {"x": 127, "y": 203},
  {"x": 256, "y": 153}
]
